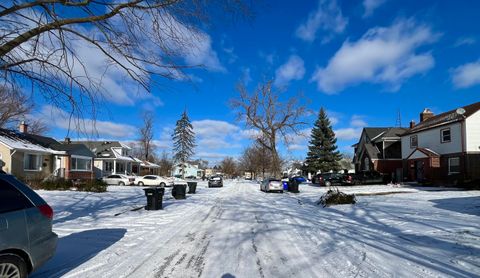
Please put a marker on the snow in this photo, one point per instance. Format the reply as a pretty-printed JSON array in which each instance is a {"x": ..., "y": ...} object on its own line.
[{"x": 239, "y": 231}]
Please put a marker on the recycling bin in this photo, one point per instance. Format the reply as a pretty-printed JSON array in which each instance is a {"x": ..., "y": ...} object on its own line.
[
  {"x": 293, "y": 186},
  {"x": 192, "y": 187},
  {"x": 179, "y": 191},
  {"x": 154, "y": 198}
]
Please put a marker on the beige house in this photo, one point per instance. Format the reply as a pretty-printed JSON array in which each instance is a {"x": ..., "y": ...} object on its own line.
[{"x": 34, "y": 157}]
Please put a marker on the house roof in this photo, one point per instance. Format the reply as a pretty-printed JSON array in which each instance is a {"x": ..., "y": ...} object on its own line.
[
  {"x": 103, "y": 149},
  {"x": 445, "y": 118},
  {"x": 70, "y": 148},
  {"x": 426, "y": 151},
  {"x": 26, "y": 142}
]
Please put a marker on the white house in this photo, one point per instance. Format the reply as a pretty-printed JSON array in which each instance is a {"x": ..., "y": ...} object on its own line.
[
  {"x": 443, "y": 148},
  {"x": 190, "y": 170}
]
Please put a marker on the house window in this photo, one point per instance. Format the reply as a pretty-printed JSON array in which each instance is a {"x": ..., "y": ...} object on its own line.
[
  {"x": 108, "y": 166},
  {"x": 81, "y": 164},
  {"x": 445, "y": 135},
  {"x": 453, "y": 165},
  {"x": 366, "y": 165},
  {"x": 32, "y": 162},
  {"x": 413, "y": 141}
]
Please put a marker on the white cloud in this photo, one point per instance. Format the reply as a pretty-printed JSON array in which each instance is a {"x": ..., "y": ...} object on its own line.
[
  {"x": 61, "y": 119},
  {"x": 327, "y": 17},
  {"x": 465, "y": 41},
  {"x": 370, "y": 6},
  {"x": 293, "y": 69},
  {"x": 358, "y": 121},
  {"x": 383, "y": 55},
  {"x": 213, "y": 128},
  {"x": 466, "y": 75},
  {"x": 348, "y": 133},
  {"x": 246, "y": 76}
]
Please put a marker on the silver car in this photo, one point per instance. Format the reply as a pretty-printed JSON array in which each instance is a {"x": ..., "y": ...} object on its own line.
[
  {"x": 117, "y": 179},
  {"x": 271, "y": 184},
  {"x": 26, "y": 237}
]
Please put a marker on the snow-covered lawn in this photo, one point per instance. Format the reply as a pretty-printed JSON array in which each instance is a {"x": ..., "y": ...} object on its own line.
[{"x": 238, "y": 231}]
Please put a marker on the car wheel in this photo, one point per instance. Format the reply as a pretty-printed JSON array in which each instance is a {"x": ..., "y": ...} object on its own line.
[
  {"x": 121, "y": 183},
  {"x": 140, "y": 183},
  {"x": 12, "y": 266},
  {"x": 162, "y": 184}
]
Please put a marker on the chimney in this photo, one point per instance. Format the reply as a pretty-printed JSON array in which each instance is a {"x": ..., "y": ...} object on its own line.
[
  {"x": 426, "y": 114},
  {"x": 412, "y": 123},
  {"x": 67, "y": 140},
  {"x": 23, "y": 127}
]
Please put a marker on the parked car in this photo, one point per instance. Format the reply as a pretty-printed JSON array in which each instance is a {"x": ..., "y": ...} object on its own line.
[
  {"x": 26, "y": 237},
  {"x": 153, "y": 180},
  {"x": 215, "y": 181},
  {"x": 328, "y": 179},
  {"x": 117, "y": 179},
  {"x": 370, "y": 177},
  {"x": 271, "y": 184}
]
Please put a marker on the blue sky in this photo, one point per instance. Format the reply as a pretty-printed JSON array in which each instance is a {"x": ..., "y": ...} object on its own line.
[{"x": 363, "y": 61}]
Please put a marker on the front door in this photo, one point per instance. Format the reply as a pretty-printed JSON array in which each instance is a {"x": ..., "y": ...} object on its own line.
[{"x": 419, "y": 167}]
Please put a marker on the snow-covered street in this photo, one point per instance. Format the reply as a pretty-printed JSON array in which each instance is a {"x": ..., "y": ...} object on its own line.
[{"x": 239, "y": 231}]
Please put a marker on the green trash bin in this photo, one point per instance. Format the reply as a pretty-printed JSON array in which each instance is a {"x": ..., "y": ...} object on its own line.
[
  {"x": 179, "y": 191},
  {"x": 192, "y": 187},
  {"x": 154, "y": 198}
]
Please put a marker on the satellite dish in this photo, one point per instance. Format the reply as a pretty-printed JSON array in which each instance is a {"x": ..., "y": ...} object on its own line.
[{"x": 460, "y": 111}]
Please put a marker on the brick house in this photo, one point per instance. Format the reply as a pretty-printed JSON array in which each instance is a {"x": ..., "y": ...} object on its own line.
[
  {"x": 36, "y": 157},
  {"x": 379, "y": 149},
  {"x": 443, "y": 148}
]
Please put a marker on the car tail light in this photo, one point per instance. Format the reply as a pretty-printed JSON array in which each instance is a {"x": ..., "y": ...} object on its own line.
[
  {"x": 46, "y": 210},
  {"x": 349, "y": 178}
]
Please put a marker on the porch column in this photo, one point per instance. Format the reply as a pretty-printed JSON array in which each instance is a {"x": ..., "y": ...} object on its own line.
[{"x": 114, "y": 166}]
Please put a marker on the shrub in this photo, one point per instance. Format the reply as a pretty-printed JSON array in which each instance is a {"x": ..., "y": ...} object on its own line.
[
  {"x": 58, "y": 184},
  {"x": 335, "y": 197},
  {"x": 92, "y": 186}
]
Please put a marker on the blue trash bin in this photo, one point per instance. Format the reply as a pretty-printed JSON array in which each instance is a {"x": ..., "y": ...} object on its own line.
[{"x": 285, "y": 185}]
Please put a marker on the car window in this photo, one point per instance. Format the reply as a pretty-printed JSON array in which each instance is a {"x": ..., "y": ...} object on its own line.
[{"x": 11, "y": 199}]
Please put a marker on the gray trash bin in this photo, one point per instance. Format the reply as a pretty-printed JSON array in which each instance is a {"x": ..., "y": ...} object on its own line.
[{"x": 154, "y": 198}]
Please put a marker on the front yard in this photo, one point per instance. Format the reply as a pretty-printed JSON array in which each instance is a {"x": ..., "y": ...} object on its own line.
[{"x": 239, "y": 231}]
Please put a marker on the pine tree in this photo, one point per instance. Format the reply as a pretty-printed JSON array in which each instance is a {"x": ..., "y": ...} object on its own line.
[
  {"x": 183, "y": 141},
  {"x": 322, "y": 150}
]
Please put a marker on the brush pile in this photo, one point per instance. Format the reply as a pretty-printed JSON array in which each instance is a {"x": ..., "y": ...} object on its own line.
[{"x": 335, "y": 197}]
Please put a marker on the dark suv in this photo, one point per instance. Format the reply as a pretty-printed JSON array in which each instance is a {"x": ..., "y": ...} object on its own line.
[
  {"x": 26, "y": 237},
  {"x": 329, "y": 179},
  {"x": 215, "y": 181}
]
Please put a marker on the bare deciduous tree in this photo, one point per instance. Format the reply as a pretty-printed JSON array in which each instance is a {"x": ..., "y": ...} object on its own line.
[
  {"x": 37, "y": 127},
  {"x": 256, "y": 158},
  {"x": 229, "y": 166},
  {"x": 274, "y": 119},
  {"x": 147, "y": 147},
  {"x": 13, "y": 106},
  {"x": 52, "y": 44},
  {"x": 166, "y": 164}
]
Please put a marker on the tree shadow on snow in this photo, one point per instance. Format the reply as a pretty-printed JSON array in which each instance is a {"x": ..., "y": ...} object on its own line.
[
  {"x": 465, "y": 205},
  {"x": 77, "y": 248}
]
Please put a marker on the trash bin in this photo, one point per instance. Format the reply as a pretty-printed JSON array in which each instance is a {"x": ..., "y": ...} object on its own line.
[
  {"x": 192, "y": 187},
  {"x": 285, "y": 185},
  {"x": 293, "y": 186},
  {"x": 179, "y": 191},
  {"x": 154, "y": 198}
]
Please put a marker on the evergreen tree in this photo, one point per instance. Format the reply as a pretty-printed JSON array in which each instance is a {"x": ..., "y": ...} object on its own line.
[
  {"x": 183, "y": 141},
  {"x": 322, "y": 150}
]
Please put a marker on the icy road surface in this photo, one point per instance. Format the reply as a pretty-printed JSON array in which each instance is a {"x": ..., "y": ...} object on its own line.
[{"x": 238, "y": 231}]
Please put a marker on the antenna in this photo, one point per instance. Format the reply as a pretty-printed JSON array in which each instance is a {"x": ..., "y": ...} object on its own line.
[{"x": 399, "y": 119}]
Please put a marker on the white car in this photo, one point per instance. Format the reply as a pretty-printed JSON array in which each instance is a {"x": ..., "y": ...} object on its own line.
[
  {"x": 153, "y": 180},
  {"x": 268, "y": 185},
  {"x": 117, "y": 179}
]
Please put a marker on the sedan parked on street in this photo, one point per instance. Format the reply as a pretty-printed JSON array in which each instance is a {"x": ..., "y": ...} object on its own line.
[
  {"x": 117, "y": 179},
  {"x": 153, "y": 180},
  {"x": 26, "y": 237},
  {"x": 271, "y": 184},
  {"x": 215, "y": 181}
]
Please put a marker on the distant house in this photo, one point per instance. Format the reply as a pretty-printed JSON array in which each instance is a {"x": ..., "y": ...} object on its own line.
[
  {"x": 35, "y": 157},
  {"x": 379, "y": 149},
  {"x": 112, "y": 157},
  {"x": 443, "y": 148},
  {"x": 188, "y": 169}
]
